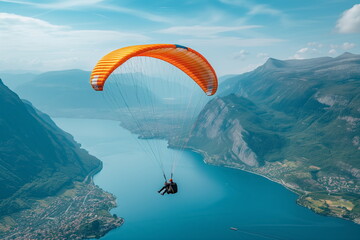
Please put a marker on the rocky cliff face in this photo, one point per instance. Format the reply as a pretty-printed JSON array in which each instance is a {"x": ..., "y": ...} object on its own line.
[
  {"x": 215, "y": 121},
  {"x": 220, "y": 133},
  {"x": 37, "y": 159},
  {"x": 295, "y": 121},
  {"x": 288, "y": 107},
  {"x": 240, "y": 149}
]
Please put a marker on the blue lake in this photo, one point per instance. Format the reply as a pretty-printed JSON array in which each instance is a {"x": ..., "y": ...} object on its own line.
[{"x": 210, "y": 200}]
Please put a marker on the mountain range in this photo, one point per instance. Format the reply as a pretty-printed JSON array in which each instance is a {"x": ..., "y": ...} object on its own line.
[
  {"x": 296, "y": 122},
  {"x": 68, "y": 92}
]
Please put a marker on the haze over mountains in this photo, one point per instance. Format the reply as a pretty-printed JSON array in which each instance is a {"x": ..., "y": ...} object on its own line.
[
  {"x": 15, "y": 79},
  {"x": 295, "y": 121},
  {"x": 68, "y": 92},
  {"x": 65, "y": 93},
  {"x": 152, "y": 99}
]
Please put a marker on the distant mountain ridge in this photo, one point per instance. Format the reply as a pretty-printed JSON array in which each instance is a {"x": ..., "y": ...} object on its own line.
[
  {"x": 69, "y": 93},
  {"x": 15, "y": 79},
  {"x": 37, "y": 159},
  {"x": 295, "y": 121}
]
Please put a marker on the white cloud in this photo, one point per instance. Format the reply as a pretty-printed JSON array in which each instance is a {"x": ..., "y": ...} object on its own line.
[
  {"x": 57, "y": 4},
  {"x": 349, "y": 22},
  {"x": 241, "y": 55},
  {"x": 348, "y": 46},
  {"x": 137, "y": 13},
  {"x": 203, "y": 31},
  {"x": 34, "y": 44},
  {"x": 345, "y": 46},
  {"x": 332, "y": 51},
  {"x": 305, "y": 52},
  {"x": 231, "y": 42},
  {"x": 9, "y": 21},
  {"x": 315, "y": 44},
  {"x": 263, "y": 56},
  {"x": 254, "y": 9},
  {"x": 316, "y": 49},
  {"x": 99, "y": 4},
  {"x": 264, "y": 9}
]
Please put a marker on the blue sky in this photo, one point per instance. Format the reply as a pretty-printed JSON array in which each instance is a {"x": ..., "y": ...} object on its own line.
[{"x": 235, "y": 36}]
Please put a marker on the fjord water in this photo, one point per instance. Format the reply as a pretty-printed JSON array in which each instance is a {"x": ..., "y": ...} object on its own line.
[{"x": 210, "y": 200}]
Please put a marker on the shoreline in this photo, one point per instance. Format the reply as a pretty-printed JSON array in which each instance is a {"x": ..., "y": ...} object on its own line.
[
  {"x": 205, "y": 156},
  {"x": 92, "y": 173},
  {"x": 207, "y": 160},
  {"x": 81, "y": 211},
  {"x": 300, "y": 194}
]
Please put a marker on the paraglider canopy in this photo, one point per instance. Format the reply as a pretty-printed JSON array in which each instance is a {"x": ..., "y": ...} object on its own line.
[
  {"x": 184, "y": 58},
  {"x": 138, "y": 94}
]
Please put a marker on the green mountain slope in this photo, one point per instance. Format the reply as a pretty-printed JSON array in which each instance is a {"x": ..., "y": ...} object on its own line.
[
  {"x": 37, "y": 159},
  {"x": 295, "y": 121}
]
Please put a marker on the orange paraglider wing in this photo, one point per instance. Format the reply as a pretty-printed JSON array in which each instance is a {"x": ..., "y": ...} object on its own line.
[{"x": 186, "y": 59}]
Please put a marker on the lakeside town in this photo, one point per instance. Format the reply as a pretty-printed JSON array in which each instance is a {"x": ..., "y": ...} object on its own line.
[{"x": 78, "y": 213}]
